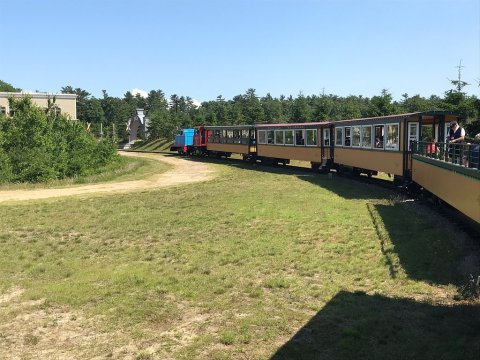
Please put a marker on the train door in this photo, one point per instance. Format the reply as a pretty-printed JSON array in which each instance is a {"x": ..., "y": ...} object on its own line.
[{"x": 413, "y": 134}]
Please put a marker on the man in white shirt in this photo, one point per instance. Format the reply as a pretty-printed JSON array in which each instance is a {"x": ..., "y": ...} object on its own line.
[{"x": 456, "y": 133}]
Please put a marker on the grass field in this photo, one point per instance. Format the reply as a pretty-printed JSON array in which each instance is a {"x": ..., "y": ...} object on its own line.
[{"x": 259, "y": 263}]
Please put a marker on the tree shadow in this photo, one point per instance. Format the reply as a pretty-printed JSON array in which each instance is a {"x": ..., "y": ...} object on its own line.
[{"x": 361, "y": 326}]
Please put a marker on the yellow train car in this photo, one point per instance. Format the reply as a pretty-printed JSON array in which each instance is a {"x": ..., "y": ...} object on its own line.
[
  {"x": 457, "y": 185},
  {"x": 227, "y": 140},
  {"x": 383, "y": 144},
  {"x": 300, "y": 141}
]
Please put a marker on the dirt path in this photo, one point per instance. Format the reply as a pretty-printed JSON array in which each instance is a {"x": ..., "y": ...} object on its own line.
[{"x": 184, "y": 171}]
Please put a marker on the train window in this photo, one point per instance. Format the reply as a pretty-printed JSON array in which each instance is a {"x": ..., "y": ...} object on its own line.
[
  {"x": 279, "y": 137},
  {"x": 311, "y": 137},
  {"x": 244, "y": 139},
  {"x": 412, "y": 134},
  {"x": 270, "y": 136},
  {"x": 326, "y": 137},
  {"x": 288, "y": 137},
  {"x": 392, "y": 137},
  {"x": 356, "y": 136},
  {"x": 237, "y": 136},
  {"x": 299, "y": 137},
  {"x": 216, "y": 135},
  {"x": 379, "y": 134},
  {"x": 367, "y": 137},
  {"x": 262, "y": 137},
  {"x": 339, "y": 136},
  {"x": 346, "y": 137},
  {"x": 229, "y": 137}
]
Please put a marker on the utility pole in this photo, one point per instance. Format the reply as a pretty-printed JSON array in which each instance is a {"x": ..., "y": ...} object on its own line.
[{"x": 459, "y": 83}]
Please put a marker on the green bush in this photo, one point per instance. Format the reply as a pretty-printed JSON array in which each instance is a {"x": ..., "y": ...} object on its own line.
[{"x": 38, "y": 145}]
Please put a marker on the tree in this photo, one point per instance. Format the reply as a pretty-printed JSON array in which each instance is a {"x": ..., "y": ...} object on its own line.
[
  {"x": 323, "y": 106},
  {"x": 301, "y": 111},
  {"x": 38, "y": 145},
  {"x": 117, "y": 113},
  {"x": 414, "y": 104},
  {"x": 155, "y": 101},
  {"x": 83, "y": 98},
  {"x": 382, "y": 105},
  {"x": 252, "y": 110},
  {"x": 8, "y": 87},
  {"x": 272, "y": 109}
]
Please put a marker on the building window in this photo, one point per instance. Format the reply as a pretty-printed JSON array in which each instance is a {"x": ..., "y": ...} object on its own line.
[
  {"x": 379, "y": 136},
  {"x": 346, "y": 137},
  {"x": 339, "y": 136},
  {"x": 299, "y": 137},
  {"x": 288, "y": 137},
  {"x": 367, "y": 137},
  {"x": 326, "y": 137},
  {"x": 279, "y": 137},
  {"x": 356, "y": 136},
  {"x": 311, "y": 137},
  {"x": 392, "y": 137},
  {"x": 3, "y": 110}
]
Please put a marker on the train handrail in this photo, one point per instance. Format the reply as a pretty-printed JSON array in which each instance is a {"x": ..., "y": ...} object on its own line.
[{"x": 462, "y": 154}]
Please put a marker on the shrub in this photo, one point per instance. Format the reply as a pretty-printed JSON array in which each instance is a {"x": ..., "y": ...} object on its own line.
[{"x": 39, "y": 146}]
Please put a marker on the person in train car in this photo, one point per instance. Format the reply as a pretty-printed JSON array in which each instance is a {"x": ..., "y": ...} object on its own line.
[
  {"x": 475, "y": 153},
  {"x": 456, "y": 135},
  {"x": 431, "y": 147}
]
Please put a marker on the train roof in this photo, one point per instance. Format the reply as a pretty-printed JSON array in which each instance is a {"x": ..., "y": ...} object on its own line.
[
  {"x": 317, "y": 124},
  {"x": 294, "y": 125},
  {"x": 229, "y": 127},
  {"x": 394, "y": 117}
]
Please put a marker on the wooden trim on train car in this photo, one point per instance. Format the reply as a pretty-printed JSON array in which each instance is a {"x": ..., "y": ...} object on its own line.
[
  {"x": 304, "y": 153},
  {"x": 473, "y": 173},
  {"x": 458, "y": 190},
  {"x": 390, "y": 162},
  {"x": 229, "y": 148}
]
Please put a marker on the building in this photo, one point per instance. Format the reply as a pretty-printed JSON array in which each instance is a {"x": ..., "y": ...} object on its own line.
[
  {"x": 65, "y": 103},
  {"x": 136, "y": 125}
]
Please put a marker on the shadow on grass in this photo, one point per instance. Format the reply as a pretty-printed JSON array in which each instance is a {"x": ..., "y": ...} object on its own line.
[
  {"x": 343, "y": 187},
  {"x": 419, "y": 248},
  {"x": 360, "y": 326},
  {"x": 424, "y": 253}
]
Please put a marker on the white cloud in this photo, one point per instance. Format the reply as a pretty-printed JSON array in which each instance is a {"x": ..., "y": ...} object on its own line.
[
  {"x": 196, "y": 103},
  {"x": 142, "y": 93}
]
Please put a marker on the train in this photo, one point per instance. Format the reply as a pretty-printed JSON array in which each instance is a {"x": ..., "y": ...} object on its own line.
[{"x": 399, "y": 145}]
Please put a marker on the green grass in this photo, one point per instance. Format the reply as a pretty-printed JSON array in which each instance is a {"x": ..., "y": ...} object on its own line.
[
  {"x": 280, "y": 264},
  {"x": 158, "y": 145},
  {"x": 123, "y": 169}
]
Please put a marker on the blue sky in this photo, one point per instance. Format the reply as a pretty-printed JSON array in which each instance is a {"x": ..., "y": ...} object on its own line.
[{"x": 207, "y": 48}]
